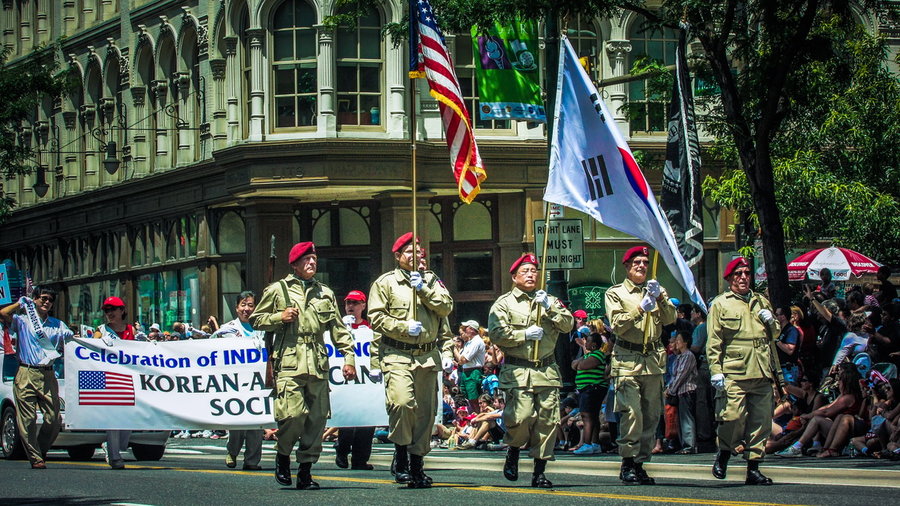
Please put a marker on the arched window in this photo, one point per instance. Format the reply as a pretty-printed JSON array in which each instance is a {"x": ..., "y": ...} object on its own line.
[
  {"x": 294, "y": 64},
  {"x": 648, "y": 109},
  {"x": 232, "y": 235},
  {"x": 585, "y": 38},
  {"x": 359, "y": 71},
  {"x": 472, "y": 222}
]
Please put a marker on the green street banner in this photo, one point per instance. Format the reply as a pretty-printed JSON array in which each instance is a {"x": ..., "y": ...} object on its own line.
[{"x": 506, "y": 65}]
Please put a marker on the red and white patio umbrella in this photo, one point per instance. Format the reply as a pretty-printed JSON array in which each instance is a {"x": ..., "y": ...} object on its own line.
[{"x": 841, "y": 261}]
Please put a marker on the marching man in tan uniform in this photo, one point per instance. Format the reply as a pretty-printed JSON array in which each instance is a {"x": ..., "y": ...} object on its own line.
[
  {"x": 411, "y": 352},
  {"x": 743, "y": 366},
  {"x": 299, "y": 310},
  {"x": 638, "y": 361},
  {"x": 519, "y": 321}
]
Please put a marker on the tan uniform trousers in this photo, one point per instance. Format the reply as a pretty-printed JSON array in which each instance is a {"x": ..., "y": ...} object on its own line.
[
  {"x": 36, "y": 389},
  {"x": 745, "y": 412},
  {"x": 639, "y": 400},
  {"x": 302, "y": 407},
  {"x": 531, "y": 417},
  {"x": 411, "y": 398},
  {"x": 253, "y": 438}
]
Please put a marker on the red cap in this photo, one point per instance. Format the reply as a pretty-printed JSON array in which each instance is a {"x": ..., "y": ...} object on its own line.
[
  {"x": 635, "y": 251},
  {"x": 300, "y": 249},
  {"x": 355, "y": 295},
  {"x": 581, "y": 313},
  {"x": 402, "y": 241},
  {"x": 113, "y": 302},
  {"x": 734, "y": 264},
  {"x": 527, "y": 258}
]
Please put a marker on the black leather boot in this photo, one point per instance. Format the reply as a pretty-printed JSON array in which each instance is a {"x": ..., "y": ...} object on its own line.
[
  {"x": 754, "y": 477},
  {"x": 283, "y": 469},
  {"x": 400, "y": 464},
  {"x": 628, "y": 474},
  {"x": 304, "y": 477},
  {"x": 537, "y": 477},
  {"x": 417, "y": 472},
  {"x": 642, "y": 475},
  {"x": 511, "y": 466},
  {"x": 720, "y": 466}
]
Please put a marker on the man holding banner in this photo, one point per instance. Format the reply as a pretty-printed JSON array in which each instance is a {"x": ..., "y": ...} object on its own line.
[
  {"x": 520, "y": 321},
  {"x": 298, "y": 310},
  {"x": 40, "y": 337},
  {"x": 637, "y": 309},
  {"x": 406, "y": 307}
]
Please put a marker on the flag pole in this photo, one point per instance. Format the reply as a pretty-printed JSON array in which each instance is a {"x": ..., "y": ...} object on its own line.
[
  {"x": 649, "y": 317},
  {"x": 535, "y": 349},
  {"x": 412, "y": 147}
]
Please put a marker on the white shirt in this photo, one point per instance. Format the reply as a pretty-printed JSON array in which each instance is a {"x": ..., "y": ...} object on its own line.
[
  {"x": 29, "y": 350},
  {"x": 235, "y": 328},
  {"x": 473, "y": 350}
]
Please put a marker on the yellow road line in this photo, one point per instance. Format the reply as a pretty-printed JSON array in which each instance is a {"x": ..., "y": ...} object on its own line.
[{"x": 478, "y": 488}]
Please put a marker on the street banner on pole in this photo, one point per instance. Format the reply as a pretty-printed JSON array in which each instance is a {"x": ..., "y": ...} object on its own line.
[
  {"x": 593, "y": 171},
  {"x": 5, "y": 294},
  {"x": 196, "y": 384},
  {"x": 680, "y": 197},
  {"x": 506, "y": 66}
]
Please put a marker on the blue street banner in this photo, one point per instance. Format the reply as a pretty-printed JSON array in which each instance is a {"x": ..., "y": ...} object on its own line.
[
  {"x": 5, "y": 295},
  {"x": 593, "y": 171},
  {"x": 506, "y": 67}
]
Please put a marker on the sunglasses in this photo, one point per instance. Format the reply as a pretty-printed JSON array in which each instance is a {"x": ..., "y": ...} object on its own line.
[
  {"x": 641, "y": 262},
  {"x": 741, "y": 273},
  {"x": 111, "y": 309},
  {"x": 47, "y": 298}
]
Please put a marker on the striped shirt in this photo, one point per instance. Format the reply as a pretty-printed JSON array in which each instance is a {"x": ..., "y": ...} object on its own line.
[
  {"x": 684, "y": 377},
  {"x": 596, "y": 376}
]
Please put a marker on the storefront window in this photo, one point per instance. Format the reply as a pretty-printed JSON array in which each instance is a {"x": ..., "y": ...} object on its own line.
[
  {"x": 232, "y": 235},
  {"x": 474, "y": 271},
  {"x": 232, "y": 280}
]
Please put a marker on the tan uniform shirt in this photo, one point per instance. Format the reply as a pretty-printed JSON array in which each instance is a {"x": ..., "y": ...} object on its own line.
[
  {"x": 389, "y": 305},
  {"x": 299, "y": 345},
  {"x": 627, "y": 321},
  {"x": 738, "y": 344},
  {"x": 510, "y": 315}
]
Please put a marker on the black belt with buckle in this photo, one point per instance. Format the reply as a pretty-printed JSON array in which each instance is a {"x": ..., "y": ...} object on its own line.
[
  {"x": 400, "y": 345},
  {"x": 39, "y": 367},
  {"x": 543, "y": 362},
  {"x": 638, "y": 347}
]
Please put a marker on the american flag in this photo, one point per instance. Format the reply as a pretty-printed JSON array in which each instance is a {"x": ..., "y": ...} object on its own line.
[
  {"x": 101, "y": 388},
  {"x": 428, "y": 53}
]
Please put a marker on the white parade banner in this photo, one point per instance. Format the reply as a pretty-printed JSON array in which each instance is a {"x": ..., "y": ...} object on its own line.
[
  {"x": 195, "y": 384},
  {"x": 356, "y": 405}
]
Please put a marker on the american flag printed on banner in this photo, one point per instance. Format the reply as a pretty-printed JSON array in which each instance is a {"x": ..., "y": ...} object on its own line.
[
  {"x": 431, "y": 56},
  {"x": 101, "y": 388}
]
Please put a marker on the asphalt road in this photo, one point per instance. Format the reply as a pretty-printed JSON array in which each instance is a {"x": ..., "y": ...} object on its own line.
[{"x": 193, "y": 472}]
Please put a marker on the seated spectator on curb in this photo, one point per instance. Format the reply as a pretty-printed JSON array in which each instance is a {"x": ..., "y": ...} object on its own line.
[
  {"x": 488, "y": 424},
  {"x": 569, "y": 424},
  {"x": 592, "y": 382},
  {"x": 885, "y": 420},
  {"x": 819, "y": 423},
  {"x": 801, "y": 400}
]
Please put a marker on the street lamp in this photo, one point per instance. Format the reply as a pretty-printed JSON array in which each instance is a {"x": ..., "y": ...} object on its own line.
[
  {"x": 111, "y": 162},
  {"x": 40, "y": 186}
]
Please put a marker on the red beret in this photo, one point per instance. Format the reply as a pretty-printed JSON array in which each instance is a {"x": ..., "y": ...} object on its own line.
[
  {"x": 527, "y": 258},
  {"x": 581, "y": 313},
  {"x": 734, "y": 264},
  {"x": 402, "y": 241},
  {"x": 355, "y": 295},
  {"x": 113, "y": 302},
  {"x": 300, "y": 249},
  {"x": 635, "y": 251}
]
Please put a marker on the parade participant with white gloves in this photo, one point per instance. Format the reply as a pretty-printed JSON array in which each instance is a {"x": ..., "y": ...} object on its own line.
[
  {"x": 743, "y": 365},
  {"x": 412, "y": 350},
  {"x": 638, "y": 360},
  {"x": 521, "y": 320}
]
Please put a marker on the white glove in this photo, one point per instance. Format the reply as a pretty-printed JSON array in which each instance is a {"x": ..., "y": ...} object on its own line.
[
  {"x": 415, "y": 328},
  {"x": 653, "y": 288},
  {"x": 348, "y": 320},
  {"x": 24, "y": 300},
  {"x": 718, "y": 381},
  {"x": 541, "y": 298},
  {"x": 106, "y": 340},
  {"x": 766, "y": 316},
  {"x": 415, "y": 279},
  {"x": 534, "y": 333},
  {"x": 140, "y": 336},
  {"x": 584, "y": 330},
  {"x": 446, "y": 365},
  {"x": 648, "y": 303}
]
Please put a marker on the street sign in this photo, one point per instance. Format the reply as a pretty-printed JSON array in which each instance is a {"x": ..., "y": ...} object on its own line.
[{"x": 565, "y": 243}]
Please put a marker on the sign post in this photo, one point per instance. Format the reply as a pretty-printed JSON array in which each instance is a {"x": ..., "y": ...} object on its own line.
[{"x": 565, "y": 243}]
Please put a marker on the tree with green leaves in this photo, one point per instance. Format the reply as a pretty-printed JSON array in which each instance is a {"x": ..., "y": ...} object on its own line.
[{"x": 24, "y": 83}]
